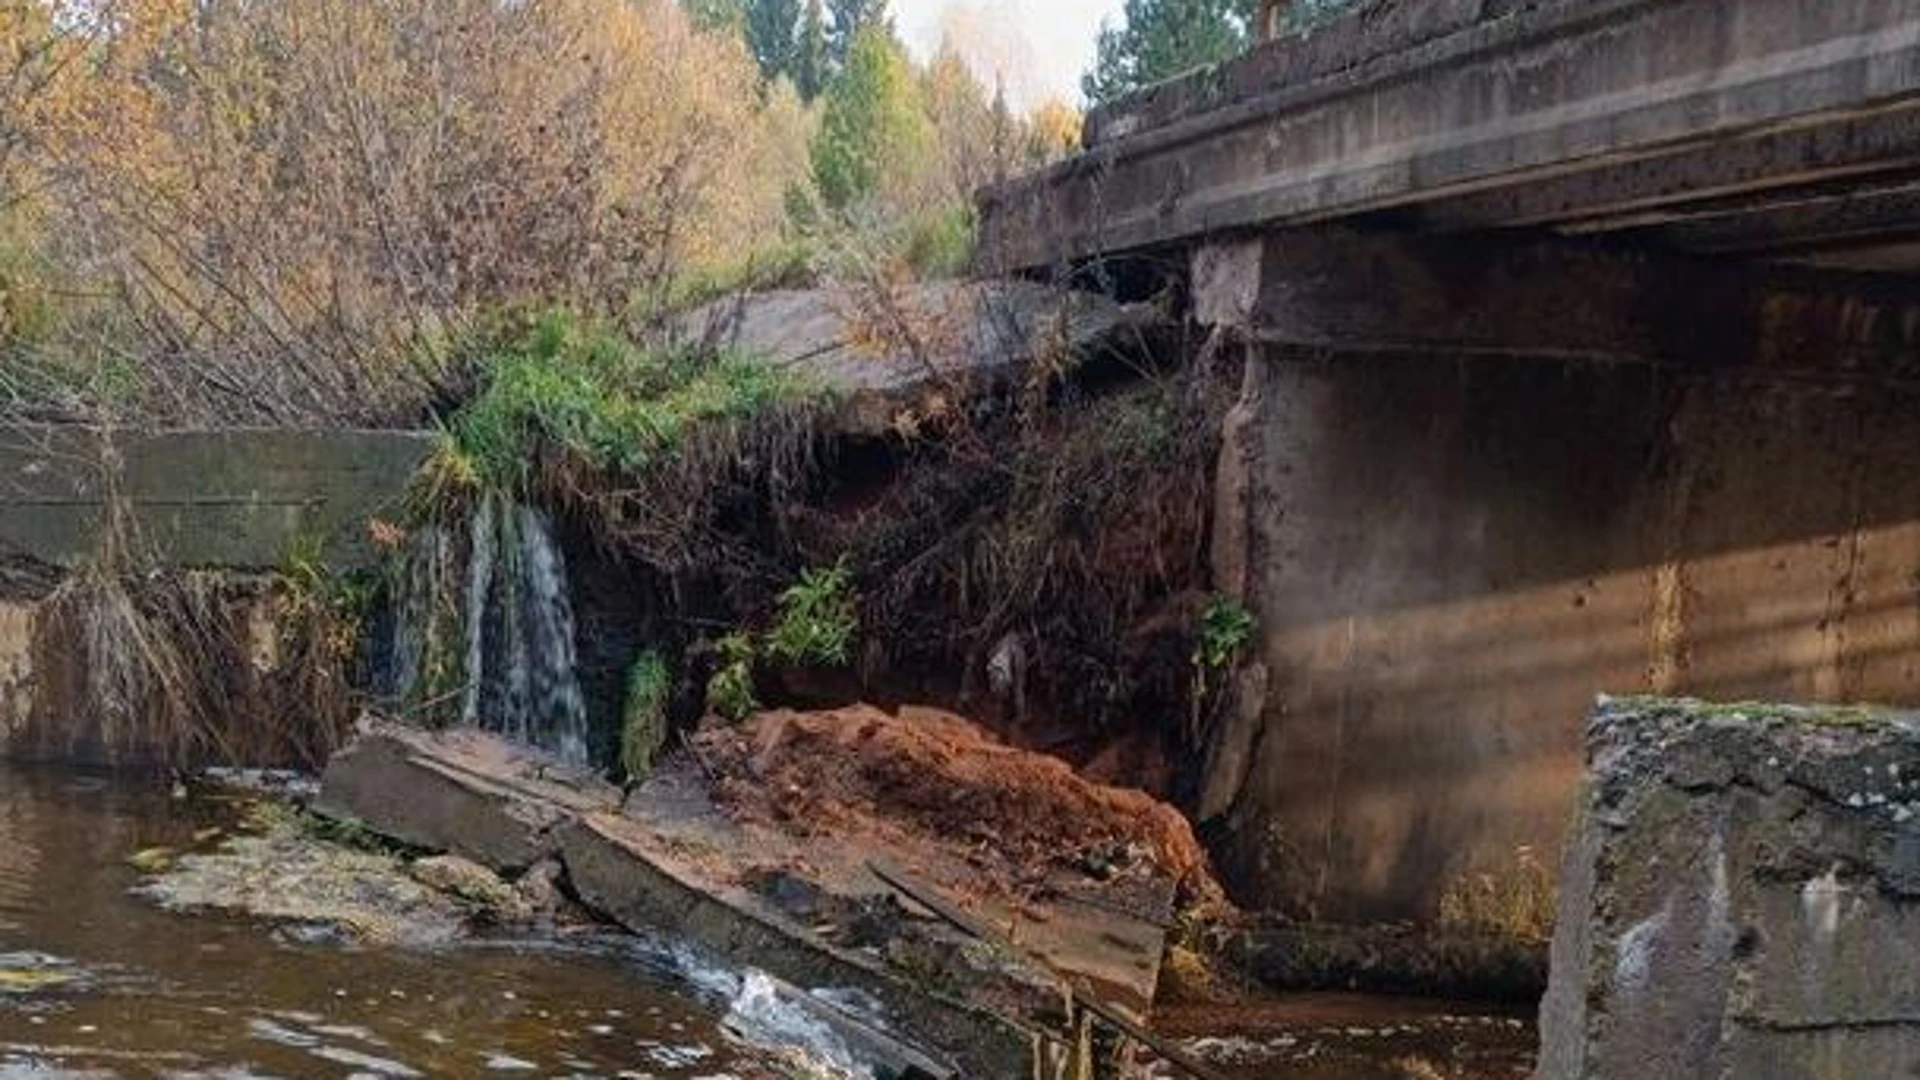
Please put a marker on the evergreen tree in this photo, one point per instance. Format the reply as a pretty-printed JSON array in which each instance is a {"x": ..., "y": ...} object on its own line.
[
  {"x": 810, "y": 64},
  {"x": 1159, "y": 39},
  {"x": 773, "y": 35},
  {"x": 874, "y": 128},
  {"x": 723, "y": 15},
  {"x": 850, "y": 17}
]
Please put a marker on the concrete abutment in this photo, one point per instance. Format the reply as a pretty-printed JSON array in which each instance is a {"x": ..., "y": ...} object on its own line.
[{"x": 1492, "y": 484}]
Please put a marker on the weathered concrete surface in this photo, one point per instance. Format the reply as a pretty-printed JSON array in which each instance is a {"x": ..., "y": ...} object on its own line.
[
  {"x": 1468, "y": 486},
  {"x": 879, "y": 348},
  {"x": 1743, "y": 897},
  {"x": 617, "y": 867},
  {"x": 236, "y": 499},
  {"x": 463, "y": 792},
  {"x": 1450, "y": 557},
  {"x": 1589, "y": 116},
  {"x": 1538, "y": 299}
]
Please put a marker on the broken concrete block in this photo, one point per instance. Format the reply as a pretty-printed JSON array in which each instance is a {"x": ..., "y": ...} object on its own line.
[
  {"x": 1742, "y": 897},
  {"x": 464, "y": 792},
  {"x": 617, "y": 867}
]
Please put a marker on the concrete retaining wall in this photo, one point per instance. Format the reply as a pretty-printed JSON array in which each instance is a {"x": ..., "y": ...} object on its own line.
[
  {"x": 1450, "y": 558},
  {"x": 1742, "y": 897},
  {"x": 239, "y": 499}
]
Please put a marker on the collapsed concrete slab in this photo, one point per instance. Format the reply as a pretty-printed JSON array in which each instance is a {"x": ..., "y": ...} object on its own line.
[
  {"x": 463, "y": 792},
  {"x": 620, "y": 868},
  {"x": 1742, "y": 897},
  {"x": 796, "y": 892},
  {"x": 879, "y": 348}
]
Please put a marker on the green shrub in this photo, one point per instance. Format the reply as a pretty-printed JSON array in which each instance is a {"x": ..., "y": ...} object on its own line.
[
  {"x": 818, "y": 620},
  {"x": 1226, "y": 629},
  {"x": 730, "y": 691},
  {"x": 643, "y": 730},
  {"x": 787, "y": 264},
  {"x": 940, "y": 245}
]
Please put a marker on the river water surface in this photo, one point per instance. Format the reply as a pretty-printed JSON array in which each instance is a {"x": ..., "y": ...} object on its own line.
[
  {"x": 98, "y": 982},
  {"x": 95, "y": 982}
]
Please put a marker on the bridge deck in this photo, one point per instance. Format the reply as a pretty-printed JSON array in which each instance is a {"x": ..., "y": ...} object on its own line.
[{"x": 1776, "y": 128}]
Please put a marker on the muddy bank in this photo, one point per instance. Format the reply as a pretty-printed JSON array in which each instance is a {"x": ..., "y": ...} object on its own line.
[{"x": 109, "y": 667}]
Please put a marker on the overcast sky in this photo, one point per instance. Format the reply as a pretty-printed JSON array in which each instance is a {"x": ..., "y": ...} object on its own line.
[{"x": 1037, "y": 47}]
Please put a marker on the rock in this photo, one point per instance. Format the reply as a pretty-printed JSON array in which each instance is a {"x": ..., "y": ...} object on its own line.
[
  {"x": 153, "y": 860},
  {"x": 466, "y": 880},
  {"x": 320, "y": 890},
  {"x": 539, "y": 889},
  {"x": 1742, "y": 896},
  {"x": 463, "y": 792}
]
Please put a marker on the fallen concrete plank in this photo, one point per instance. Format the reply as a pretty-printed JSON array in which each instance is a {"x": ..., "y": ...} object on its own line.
[
  {"x": 615, "y": 869},
  {"x": 879, "y": 349},
  {"x": 463, "y": 792}
]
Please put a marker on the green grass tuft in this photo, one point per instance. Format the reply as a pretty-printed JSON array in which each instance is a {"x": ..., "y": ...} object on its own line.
[
  {"x": 818, "y": 620},
  {"x": 730, "y": 692},
  {"x": 644, "y": 719},
  {"x": 566, "y": 384}
]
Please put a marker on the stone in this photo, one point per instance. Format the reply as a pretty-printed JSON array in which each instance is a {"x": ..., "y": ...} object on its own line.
[
  {"x": 538, "y": 890},
  {"x": 1740, "y": 897},
  {"x": 464, "y": 879},
  {"x": 315, "y": 890},
  {"x": 461, "y": 792}
]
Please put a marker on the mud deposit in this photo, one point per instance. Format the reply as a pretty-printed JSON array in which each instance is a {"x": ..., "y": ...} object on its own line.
[{"x": 97, "y": 982}]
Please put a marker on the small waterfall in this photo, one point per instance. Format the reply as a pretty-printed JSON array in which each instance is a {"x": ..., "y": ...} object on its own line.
[{"x": 514, "y": 630}]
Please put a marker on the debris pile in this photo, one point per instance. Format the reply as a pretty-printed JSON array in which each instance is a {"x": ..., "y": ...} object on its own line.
[{"x": 860, "y": 770}]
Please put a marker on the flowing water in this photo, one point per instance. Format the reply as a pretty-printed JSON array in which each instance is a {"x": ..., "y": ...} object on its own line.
[
  {"x": 517, "y": 650},
  {"x": 95, "y": 982}
]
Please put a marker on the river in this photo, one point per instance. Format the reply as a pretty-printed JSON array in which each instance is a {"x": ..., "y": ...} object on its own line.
[{"x": 96, "y": 982}]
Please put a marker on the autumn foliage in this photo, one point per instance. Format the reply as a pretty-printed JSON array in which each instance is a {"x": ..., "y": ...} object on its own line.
[{"x": 290, "y": 211}]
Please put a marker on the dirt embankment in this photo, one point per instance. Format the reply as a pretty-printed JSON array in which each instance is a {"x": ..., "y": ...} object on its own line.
[{"x": 861, "y": 770}]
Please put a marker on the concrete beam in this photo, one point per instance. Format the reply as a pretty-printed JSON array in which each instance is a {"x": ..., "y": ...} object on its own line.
[
  {"x": 239, "y": 499},
  {"x": 1578, "y": 93},
  {"x": 1348, "y": 291}
]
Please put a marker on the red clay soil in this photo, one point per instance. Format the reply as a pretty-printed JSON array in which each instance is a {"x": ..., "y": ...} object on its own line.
[{"x": 948, "y": 780}]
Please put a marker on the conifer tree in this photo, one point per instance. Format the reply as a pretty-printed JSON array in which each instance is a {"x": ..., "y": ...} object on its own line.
[
  {"x": 810, "y": 64},
  {"x": 848, "y": 19},
  {"x": 1159, "y": 39},
  {"x": 874, "y": 127},
  {"x": 773, "y": 36}
]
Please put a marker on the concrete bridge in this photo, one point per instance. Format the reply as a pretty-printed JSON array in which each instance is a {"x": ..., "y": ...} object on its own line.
[
  {"x": 1781, "y": 129},
  {"x": 1582, "y": 355}
]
